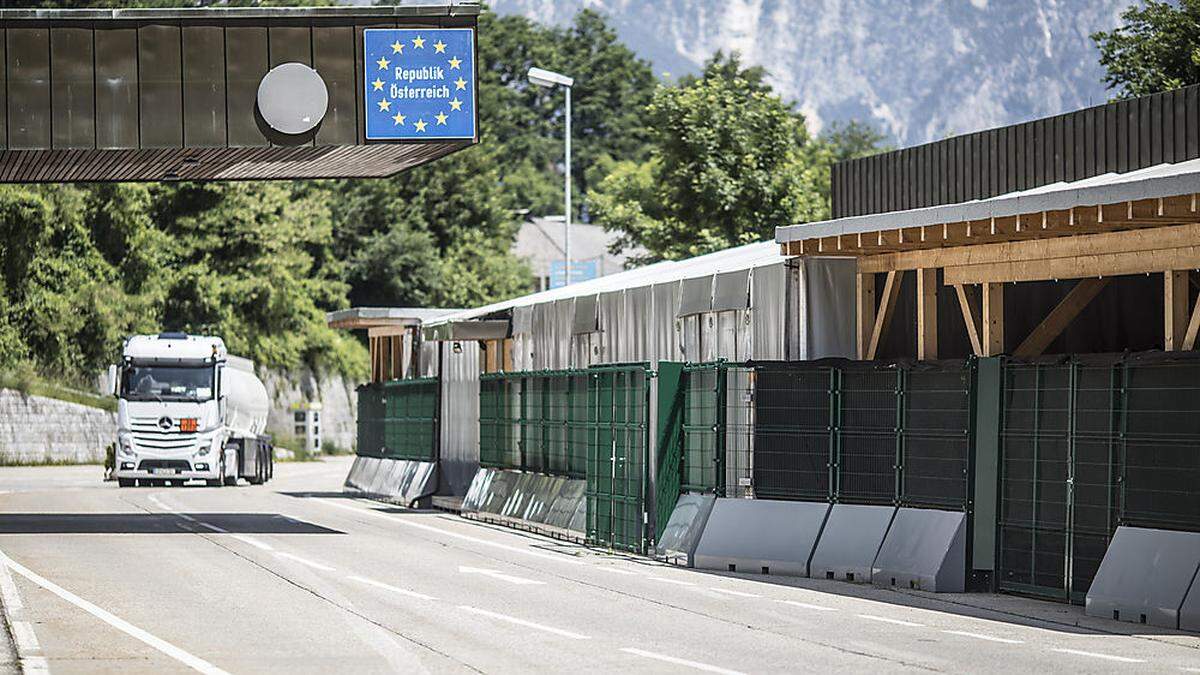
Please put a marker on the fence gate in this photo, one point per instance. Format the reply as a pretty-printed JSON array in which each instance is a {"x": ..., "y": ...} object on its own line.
[
  {"x": 1059, "y": 462},
  {"x": 618, "y": 401}
]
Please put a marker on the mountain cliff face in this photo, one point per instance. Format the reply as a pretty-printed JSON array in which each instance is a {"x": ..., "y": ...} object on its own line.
[{"x": 919, "y": 70}]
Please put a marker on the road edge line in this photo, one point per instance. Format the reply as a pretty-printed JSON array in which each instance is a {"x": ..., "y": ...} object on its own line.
[{"x": 190, "y": 660}]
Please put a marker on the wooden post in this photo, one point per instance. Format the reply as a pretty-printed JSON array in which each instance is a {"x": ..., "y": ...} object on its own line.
[
  {"x": 865, "y": 313},
  {"x": 993, "y": 319},
  {"x": 927, "y": 324},
  {"x": 1175, "y": 309}
]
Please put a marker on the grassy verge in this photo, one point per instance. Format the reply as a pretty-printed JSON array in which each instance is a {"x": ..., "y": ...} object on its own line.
[{"x": 26, "y": 380}]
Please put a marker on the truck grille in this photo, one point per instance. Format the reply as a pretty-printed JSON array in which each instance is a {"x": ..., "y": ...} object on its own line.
[
  {"x": 180, "y": 464},
  {"x": 147, "y": 434}
]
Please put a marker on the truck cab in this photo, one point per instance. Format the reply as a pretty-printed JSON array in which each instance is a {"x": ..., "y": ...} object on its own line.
[{"x": 187, "y": 410}]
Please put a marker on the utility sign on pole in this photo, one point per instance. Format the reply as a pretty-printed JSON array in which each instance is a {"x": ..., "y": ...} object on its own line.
[{"x": 420, "y": 83}]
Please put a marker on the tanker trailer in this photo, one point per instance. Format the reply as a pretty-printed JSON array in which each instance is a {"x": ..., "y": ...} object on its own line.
[{"x": 187, "y": 410}]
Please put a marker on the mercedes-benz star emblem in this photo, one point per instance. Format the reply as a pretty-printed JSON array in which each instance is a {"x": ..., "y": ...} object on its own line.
[{"x": 164, "y": 423}]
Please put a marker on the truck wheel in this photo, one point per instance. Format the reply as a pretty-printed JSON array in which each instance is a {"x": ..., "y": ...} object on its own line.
[
  {"x": 125, "y": 482},
  {"x": 220, "y": 479}
]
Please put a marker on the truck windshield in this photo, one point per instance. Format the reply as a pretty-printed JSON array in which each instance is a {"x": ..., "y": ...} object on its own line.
[{"x": 163, "y": 383}]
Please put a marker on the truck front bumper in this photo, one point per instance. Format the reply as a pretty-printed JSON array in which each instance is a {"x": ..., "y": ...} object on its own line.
[{"x": 140, "y": 470}]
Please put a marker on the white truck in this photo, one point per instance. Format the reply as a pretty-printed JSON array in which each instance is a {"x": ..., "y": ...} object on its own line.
[{"x": 187, "y": 410}]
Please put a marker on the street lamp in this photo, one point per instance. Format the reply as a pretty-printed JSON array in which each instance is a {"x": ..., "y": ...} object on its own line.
[{"x": 547, "y": 78}]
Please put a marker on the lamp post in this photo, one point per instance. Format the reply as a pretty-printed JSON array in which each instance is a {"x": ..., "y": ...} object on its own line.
[{"x": 546, "y": 78}]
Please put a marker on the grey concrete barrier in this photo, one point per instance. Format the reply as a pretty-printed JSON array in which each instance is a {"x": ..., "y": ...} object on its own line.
[
  {"x": 850, "y": 541},
  {"x": 925, "y": 549},
  {"x": 682, "y": 532},
  {"x": 760, "y": 535},
  {"x": 1145, "y": 576}
]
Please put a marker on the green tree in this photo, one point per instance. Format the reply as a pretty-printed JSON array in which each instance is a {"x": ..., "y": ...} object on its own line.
[
  {"x": 729, "y": 161},
  {"x": 1157, "y": 48}
]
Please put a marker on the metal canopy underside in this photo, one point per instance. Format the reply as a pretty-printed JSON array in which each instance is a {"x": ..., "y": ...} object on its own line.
[{"x": 154, "y": 94}]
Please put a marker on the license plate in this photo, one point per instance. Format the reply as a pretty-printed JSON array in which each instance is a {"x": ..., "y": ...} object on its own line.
[{"x": 164, "y": 472}]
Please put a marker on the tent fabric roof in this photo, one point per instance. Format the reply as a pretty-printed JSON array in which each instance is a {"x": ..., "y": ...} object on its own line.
[
  {"x": 1161, "y": 180},
  {"x": 365, "y": 317},
  {"x": 729, "y": 260}
]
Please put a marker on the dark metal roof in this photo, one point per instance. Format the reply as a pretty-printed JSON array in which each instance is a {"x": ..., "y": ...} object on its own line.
[
  {"x": 414, "y": 9},
  {"x": 171, "y": 94}
]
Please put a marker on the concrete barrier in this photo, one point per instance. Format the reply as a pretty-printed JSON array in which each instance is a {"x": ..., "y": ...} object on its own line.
[
  {"x": 850, "y": 541},
  {"x": 760, "y": 535},
  {"x": 550, "y": 505},
  {"x": 1145, "y": 576},
  {"x": 925, "y": 549},
  {"x": 401, "y": 481},
  {"x": 682, "y": 532}
]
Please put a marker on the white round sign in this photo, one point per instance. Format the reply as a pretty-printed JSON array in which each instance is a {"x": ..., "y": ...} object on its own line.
[{"x": 292, "y": 98}]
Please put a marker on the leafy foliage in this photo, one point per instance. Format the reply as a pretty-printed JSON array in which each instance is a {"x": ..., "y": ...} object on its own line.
[
  {"x": 1157, "y": 49},
  {"x": 729, "y": 161}
]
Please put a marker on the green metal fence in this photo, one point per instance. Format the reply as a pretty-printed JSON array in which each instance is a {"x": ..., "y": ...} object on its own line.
[
  {"x": 863, "y": 432},
  {"x": 535, "y": 421},
  {"x": 1088, "y": 444},
  {"x": 399, "y": 419},
  {"x": 617, "y": 459},
  {"x": 588, "y": 424}
]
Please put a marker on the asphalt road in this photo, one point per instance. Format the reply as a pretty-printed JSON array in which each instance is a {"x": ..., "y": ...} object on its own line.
[{"x": 294, "y": 577}]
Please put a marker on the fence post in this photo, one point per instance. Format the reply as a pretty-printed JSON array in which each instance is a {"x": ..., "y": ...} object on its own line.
[
  {"x": 720, "y": 427},
  {"x": 989, "y": 379}
]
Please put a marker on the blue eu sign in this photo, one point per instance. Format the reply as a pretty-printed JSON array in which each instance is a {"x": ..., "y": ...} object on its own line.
[{"x": 420, "y": 83}]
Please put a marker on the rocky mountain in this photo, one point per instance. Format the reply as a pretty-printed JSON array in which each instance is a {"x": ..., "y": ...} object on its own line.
[{"x": 918, "y": 69}]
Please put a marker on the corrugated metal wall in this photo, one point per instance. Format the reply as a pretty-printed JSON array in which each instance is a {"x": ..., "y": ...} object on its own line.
[
  {"x": 459, "y": 443},
  {"x": 1116, "y": 137}
]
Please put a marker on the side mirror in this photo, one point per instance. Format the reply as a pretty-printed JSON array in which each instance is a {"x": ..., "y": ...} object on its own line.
[{"x": 114, "y": 382}]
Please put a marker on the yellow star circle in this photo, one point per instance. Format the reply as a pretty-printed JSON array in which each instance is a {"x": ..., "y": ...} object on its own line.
[
  {"x": 419, "y": 42},
  {"x": 460, "y": 83},
  {"x": 454, "y": 63},
  {"x": 456, "y": 104},
  {"x": 398, "y": 118},
  {"x": 441, "y": 118},
  {"x": 439, "y": 47},
  {"x": 378, "y": 84},
  {"x": 420, "y": 125},
  {"x": 385, "y": 105},
  {"x": 383, "y": 63},
  {"x": 397, "y": 47}
]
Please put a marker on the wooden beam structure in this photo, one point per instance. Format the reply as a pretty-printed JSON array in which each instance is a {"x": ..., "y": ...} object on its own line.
[
  {"x": 1189, "y": 338},
  {"x": 883, "y": 317},
  {"x": 864, "y": 312},
  {"x": 1035, "y": 225},
  {"x": 1060, "y": 317},
  {"x": 927, "y": 324},
  {"x": 1175, "y": 309},
  {"x": 970, "y": 314},
  {"x": 993, "y": 319}
]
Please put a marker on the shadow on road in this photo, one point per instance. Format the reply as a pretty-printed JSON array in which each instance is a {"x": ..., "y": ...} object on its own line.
[{"x": 155, "y": 523}]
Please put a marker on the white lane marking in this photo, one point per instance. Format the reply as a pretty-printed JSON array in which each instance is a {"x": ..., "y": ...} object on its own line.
[
  {"x": 1097, "y": 655},
  {"x": 884, "y": 619},
  {"x": 614, "y": 570},
  {"x": 739, "y": 594},
  {"x": 154, "y": 500},
  {"x": 678, "y": 661},
  {"x": 253, "y": 542},
  {"x": 25, "y": 638},
  {"x": 194, "y": 662},
  {"x": 394, "y": 589},
  {"x": 981, "y": 636},
  {"x": 10, "y": 598},
  {"x": 670, "y": 581},
  {"x": 448, "y": 533},
  {"x": 522, "y": 622},
  {"x": 805, "y": 605},
  {"x": 305, "y": 561},
  {"x": 35, "y": 665},
  {"x": 520, "y": 581}
]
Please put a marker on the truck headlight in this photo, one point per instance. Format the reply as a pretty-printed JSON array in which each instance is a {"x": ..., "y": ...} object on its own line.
[{"x": 125, "y": 445}]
